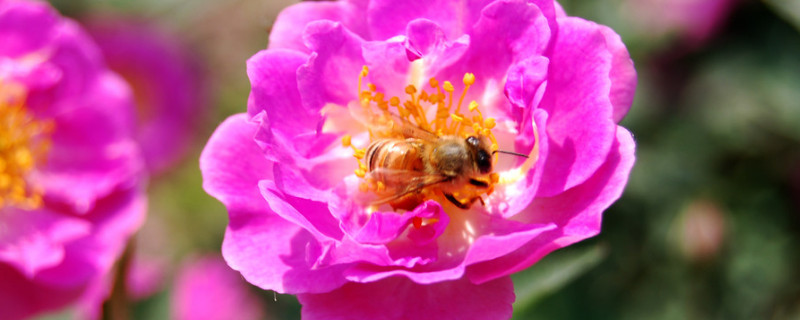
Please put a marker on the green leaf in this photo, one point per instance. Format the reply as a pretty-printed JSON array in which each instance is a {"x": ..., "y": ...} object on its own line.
[
  {"x": 788, "y": 9},
  {"x": 554, "y": 272}
]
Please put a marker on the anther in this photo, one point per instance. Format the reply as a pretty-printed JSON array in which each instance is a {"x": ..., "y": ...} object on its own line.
[
  {"x": 489, "y": 123},
  {"x": 473, "y": 106},
  {"x": 346, "y": 140},
  {"x": 469, "y": 79},
  {"x": 448, "y": 86}
]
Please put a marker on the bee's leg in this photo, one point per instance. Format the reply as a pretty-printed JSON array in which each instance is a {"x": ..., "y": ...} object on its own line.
[
  {"x": 455, "y": 201},
  {"x": 481, "y": 200},
  {"x": 478, "y": 183}
]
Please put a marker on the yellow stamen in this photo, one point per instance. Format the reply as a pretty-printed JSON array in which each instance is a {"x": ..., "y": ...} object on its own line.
[
  {"x": 24, "y": 144},
  {"x": 447, "y": 121}
]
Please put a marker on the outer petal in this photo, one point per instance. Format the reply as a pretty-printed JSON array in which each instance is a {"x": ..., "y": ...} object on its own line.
[
  {"x": 623, "y": 75},
  {"x": 399, "y": 298},
  {"x": 580, "y": 125},
  {"x": 20, "y": 298},
  {"x": 232, "y": 164},
  {"x": 277, "y": 255},
  {"x": 208, "y": 289},
  {"x": 577, "y": 212},
  {"x": 114, "y": 220},
  {"x": 34, "y": 240},
  {"x": 287, "y": 32},
  {"x": 25, "y": 28},
  {"x": 93, "y": 152},
  {"x": 79, "y": 63}
]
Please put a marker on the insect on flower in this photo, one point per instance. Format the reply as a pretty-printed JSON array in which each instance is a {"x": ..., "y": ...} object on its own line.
[{"x": 410, "y": 160}]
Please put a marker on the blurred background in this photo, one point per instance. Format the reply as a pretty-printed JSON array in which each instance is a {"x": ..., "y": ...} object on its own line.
[{"x": 708, "y": 227}]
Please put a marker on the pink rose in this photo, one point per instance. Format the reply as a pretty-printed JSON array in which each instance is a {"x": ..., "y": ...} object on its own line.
[
  {"x": 71, "y": 174},
  {"x": 545, "y": 85}
]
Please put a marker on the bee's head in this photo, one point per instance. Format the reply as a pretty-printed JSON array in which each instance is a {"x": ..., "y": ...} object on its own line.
[{"x": 480, "y": 153}]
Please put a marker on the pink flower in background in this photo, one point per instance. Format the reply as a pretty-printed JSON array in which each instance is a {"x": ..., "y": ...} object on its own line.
[
  {"x": 207, "y": 289},
  {"x": 70, "y": 172},
  {"x": 167, "y": 82},
  {"x": 691, "y": 20},
  {"x": 520, "y": 75}
]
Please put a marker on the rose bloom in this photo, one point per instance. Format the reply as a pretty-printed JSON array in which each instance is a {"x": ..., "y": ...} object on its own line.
[
  {"x": 205, "y": 288},
  {"x": 167, "y": 82},
  {"x": 692, "y": 21},
  {"x": 70, "y": 172},
  {"x": 313, "y": 212}
]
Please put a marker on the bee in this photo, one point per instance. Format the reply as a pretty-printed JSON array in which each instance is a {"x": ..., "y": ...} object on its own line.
[{"x": 422, "y": 165}]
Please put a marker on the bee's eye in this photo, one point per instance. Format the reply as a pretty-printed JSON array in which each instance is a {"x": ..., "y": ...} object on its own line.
[
  {"x": 484, "y": 161},
  {"x": 473, "y": 141}
]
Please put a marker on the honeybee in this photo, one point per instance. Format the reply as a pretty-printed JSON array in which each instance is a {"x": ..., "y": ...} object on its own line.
[{"x": 423, "y": 165}]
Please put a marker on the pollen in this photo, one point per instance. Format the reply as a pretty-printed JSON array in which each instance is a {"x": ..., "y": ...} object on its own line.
[
  {"x": 448, "y": 118},
  {"x": 24, "y": 144}
]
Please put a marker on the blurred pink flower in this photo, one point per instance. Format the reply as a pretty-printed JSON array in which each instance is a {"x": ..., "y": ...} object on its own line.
[
  {"x": 167, "y": 82},
  {"x": 693, "y": 21},
  {"x": 207, "y": 289},
  {"x": 701, "y": 231},
  {"x": 71, "y": 174},
  {"x": 546, "y": 85}
]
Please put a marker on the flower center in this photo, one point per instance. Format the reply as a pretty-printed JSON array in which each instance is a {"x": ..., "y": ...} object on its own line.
[
  {"x": 24, "y": 143},
  {"x": 423, "y": 146}
]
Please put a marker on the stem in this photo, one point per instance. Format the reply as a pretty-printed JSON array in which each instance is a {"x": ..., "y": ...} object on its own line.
[{"x": 117, "y": 306}]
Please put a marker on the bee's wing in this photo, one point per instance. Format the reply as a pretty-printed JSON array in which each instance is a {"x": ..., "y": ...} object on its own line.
[
  {"x": 404, "y": 181},
  {"x": 390, "y": 125}
]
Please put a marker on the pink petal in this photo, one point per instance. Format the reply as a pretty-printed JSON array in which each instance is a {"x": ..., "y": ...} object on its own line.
[
  {"x": 208, "y": 289},
  {"x": 287, "y": 32},
  {"x": 399, "y": 298},
  {"x": 331, "y": 74},
  {"x": 34, "y": 240},
  {"x": 426, "y": 39},
  {"x": 92, "y": 152},
  {"x": 623, "y": 75},
  {"x": 580, "y": 125},
  {"x": 166, "y": 81},
  {"x": 232, "y": 164},
  {"x": 388, "y": 18},
  {"x": 577, "y": 212},
  {"x": 114, "y": 220},
  {"x": 26, "y": 27},
  {"x": 21, "y": 298},
  {"x": 508, "y": 31},
  {"x": 257, "y": 239}
]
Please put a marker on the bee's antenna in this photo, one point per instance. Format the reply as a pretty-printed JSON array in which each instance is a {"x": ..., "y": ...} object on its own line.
[{"x": 509, "y": 152}]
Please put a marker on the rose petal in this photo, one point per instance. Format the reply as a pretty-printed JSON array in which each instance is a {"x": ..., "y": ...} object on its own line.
[
  {"x": 257, "y": 239},
  {"x": 622, "y": 74},
  {"x": 388, "y": 18},
  {"x": 208, "y": 289},
  {"x": 232, "y": 164},
  {"x": 34, "y": 240},
  {"x": 92, "y": 150},
  {"x": 26, "y": 28},
  {"x": 457, "y": 299},
  {"x": 577, "y": 212},
  {"x": 580, "y": 125},
  {"x": 287, "y": 32}
]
